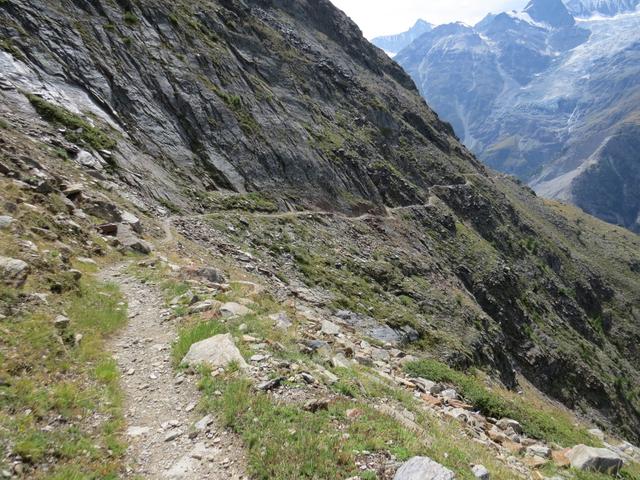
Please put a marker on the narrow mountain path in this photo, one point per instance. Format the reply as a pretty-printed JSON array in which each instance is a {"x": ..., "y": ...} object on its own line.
[
  {"x": 161, "y": 405},
  {"x": 315, "y": 213}
]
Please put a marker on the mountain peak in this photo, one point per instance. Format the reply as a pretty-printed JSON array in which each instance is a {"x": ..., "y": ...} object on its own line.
[
  {"x": 394, "y": 43},
  {"x": 551, "y": 12}
]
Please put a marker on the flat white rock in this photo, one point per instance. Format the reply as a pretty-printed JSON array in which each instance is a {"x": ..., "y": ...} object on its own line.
[{"x": 215, "y": 352}]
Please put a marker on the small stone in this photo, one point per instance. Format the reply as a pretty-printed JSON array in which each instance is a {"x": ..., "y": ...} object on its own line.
[
  {"x": 314, "y": 406},
  {"x": 211, "y": 274},
  {"x": 539, "y": 451},
  {"x": 259, "y": 358},
  {"x": 318, "y": 346},
  {"x": 86, "y": 261},
  {"x": 203, "y": 423},
  {"x": 506, "y": 423},
  {"x": 173, "y": 435},
  {"x": 204, "y": 306},
  {"x": 137, "y": 431},
  {"x": 307, "y": 378},
  {"x": 130, "y": 219},
  {"x": 13, "y": 272},
  {"x": 449, "y": 393},
  {"x": 340, "y": 361},
  {"x": 479, "y": 471},
  {"x": 232, "y": 309},
  {"x": 61, "y": 323},
  {"x": 423, "y": 468},
  {"x": 73, "y": 190},
  {"x": 271, "y": 384},
  {"x": 5, "y": 222},
  {"x": 329, "y": 328},
  {"x": 199, "y": 452},
  {"x": 328, "y": 377},
  {"x": 281, "y": 320},
  {"x": 427, "y": 386},
  {"x": 379, "y": 354}
]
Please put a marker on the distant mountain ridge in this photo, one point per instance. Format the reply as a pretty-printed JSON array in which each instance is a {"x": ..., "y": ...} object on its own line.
[
  {"x": 586, "y": 8},
  {"x": 542, "y": 96},
  {"x": 392, "y": 44}
]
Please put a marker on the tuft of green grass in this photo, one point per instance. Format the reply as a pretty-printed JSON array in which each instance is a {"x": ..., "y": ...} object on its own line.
[
  {"x": 130, "y": 18},
  {"x": 78, "y": 129},
  {"x": 97, "y": 313},
  {"x": 249, "y": 202},
  {"x": 547, "y": 424}
]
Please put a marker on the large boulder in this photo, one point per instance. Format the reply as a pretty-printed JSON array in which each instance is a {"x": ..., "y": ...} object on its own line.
[
  {"x": 130, "y": 219},
  {"x": 214, "y": 352},
  {"x": 423, "y": 468},
  {"x": 130, "y": 241},
  {"x": 594, "y": 459},
  {"x": 507, "y": 423},
  {"x": 232, "y": 309},
  {"x": 13, "y": 272},
  {"x": 211, "y": 274}
]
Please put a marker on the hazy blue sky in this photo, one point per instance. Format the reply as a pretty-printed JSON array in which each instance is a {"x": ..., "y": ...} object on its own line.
[{"x": 383, "y": 17}]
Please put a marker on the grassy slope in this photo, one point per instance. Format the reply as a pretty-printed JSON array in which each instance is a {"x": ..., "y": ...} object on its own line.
[{"x": 60, "y": 405}]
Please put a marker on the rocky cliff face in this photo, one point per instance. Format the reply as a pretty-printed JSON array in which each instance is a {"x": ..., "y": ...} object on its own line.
[
  {"x": 270, "y": 106},
  {"x": 208, "y": 92}
]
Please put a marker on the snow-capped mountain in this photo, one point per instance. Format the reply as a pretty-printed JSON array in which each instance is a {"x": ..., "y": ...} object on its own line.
[
  {"x": 588, "y": 8},
  {"x": 392, "y": 44},
  {"x": 546, "y": 97}
]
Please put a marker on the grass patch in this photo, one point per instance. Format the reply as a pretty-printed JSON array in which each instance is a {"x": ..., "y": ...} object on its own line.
[
  {"x": 7, "y": 45},
  {"x": 285, "y": 442},
  {"x": 53, "y": 381},
  {"x": 78, "y": 130},
  {"x": 130, "y": 18},
  {"x": 240, "y": 108},
  {"x": 550, "y": 425},
  {"x": 250, "y": 202}
]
